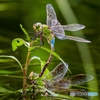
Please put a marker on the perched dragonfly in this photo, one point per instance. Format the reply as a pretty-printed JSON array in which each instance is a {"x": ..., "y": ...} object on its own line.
[
  {"x": 55, "y": 79},
  {"x": 54, "y": 28}
]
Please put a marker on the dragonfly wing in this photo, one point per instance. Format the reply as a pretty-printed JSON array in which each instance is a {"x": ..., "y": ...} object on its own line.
[
  {"x": 71, "y": 38},
  {"x": 50, "y": 14},
  {"x": 57, "y": 74},
  {"x": 62, "y": 84},
  {"x": 70, "y": 27},
  {"x": 80, "y": 78},
  {"x": 72, "y": 80},
  {"x": 52, "y": 20},
  {"x": 59, "y": 30}
]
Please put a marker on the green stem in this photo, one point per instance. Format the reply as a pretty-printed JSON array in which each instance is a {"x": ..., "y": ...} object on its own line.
[{"x": 25, "y": 71}]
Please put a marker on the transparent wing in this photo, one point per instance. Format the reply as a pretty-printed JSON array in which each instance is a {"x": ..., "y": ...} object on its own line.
[
  {"x": 56, "y": 75},
  {"x": 52, "y": 20},
  {"x": 71, "y": 38},
  {"x": 73, "y": 80},
  {"x": 80, "y": 78},
  {"x": 50, "y": 14},
  {"x": 70, "y": 27},
  {"x": 55, "y": 79}
]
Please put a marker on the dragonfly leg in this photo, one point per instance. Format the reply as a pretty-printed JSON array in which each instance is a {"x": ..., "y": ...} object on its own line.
[
  {"x": 36, "y": 36},
  {"x": 41, "y": 43},
  {"x": 41, "y": 39},
  {"x": 31, "y": 33}
]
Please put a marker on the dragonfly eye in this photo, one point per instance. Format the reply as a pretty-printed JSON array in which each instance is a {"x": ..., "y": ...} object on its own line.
[
  {"x": 38, "y": 25},
  {"x": 34, "y": 26}
]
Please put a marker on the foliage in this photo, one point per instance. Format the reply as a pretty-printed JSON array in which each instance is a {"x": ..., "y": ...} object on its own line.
[{"x": 35, "y": 77}]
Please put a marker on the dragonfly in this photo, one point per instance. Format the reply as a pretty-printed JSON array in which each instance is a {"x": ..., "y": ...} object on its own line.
[
  {"x": 54, "y": 28},
  {"x": 56, "y": 80}
]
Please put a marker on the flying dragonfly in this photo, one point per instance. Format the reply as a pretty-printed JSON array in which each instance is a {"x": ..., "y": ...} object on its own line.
[
  {"x": 54, "y": 28},
  {"x": 56, "y": 80}
]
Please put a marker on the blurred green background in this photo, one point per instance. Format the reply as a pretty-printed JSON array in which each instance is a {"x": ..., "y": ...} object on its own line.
[{"x": 81, "y": 57}]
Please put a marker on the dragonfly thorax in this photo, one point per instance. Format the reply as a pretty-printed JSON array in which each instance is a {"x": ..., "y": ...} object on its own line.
[{"x": 37, "y": 26}]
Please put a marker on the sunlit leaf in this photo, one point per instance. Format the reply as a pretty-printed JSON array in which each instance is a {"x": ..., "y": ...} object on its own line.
[
  {"x": 42, "y": 64},
  {"x": 56, "y": 55},
  {"x": 14, "y": 59},
  {"x": 25, "y": 32},
  {"x": 18, "y": 42},
  {"x": 31, "y": 48},
  {"x": 40, "y": 82}
]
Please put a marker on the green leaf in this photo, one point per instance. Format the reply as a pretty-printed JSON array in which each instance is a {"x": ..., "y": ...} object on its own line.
[
  {"x": 5, "y": 90},
  {"x": 65, "y": 64},
  {"x": 14, "y": 59},
  {"x": 8, "y": 72},
  {"x": 40, "y": 82},
  {"x": 18, "y": 42},
  {"x": 25, "y": 32},
  {"x": 42, "y": 64},
  {"x": 56, "y": 55},
  {"x": 31, "y": 48}
]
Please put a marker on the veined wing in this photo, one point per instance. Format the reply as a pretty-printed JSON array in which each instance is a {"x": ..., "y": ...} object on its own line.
[
  {"x": 56, "y": 75},
  {"x": 50, "y": 14},
  {"x": 71, "y": 38},
  {"x": 70, "y": 27},
  {"x": 80, "y": 78},
  {"x": 52, "y": 20},
  {"x": 55, "y": 78},
  {"x": 73, "y": 80}
]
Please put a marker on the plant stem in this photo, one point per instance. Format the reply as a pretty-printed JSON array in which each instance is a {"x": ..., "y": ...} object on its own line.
[
  {"x": 44, "y": 68},
  {"x": 25, "y": 72},
  {"x": 47, "y": 63}
]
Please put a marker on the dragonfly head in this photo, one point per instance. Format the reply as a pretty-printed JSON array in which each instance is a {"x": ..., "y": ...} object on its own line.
[{"x": 37, "y": 26}]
